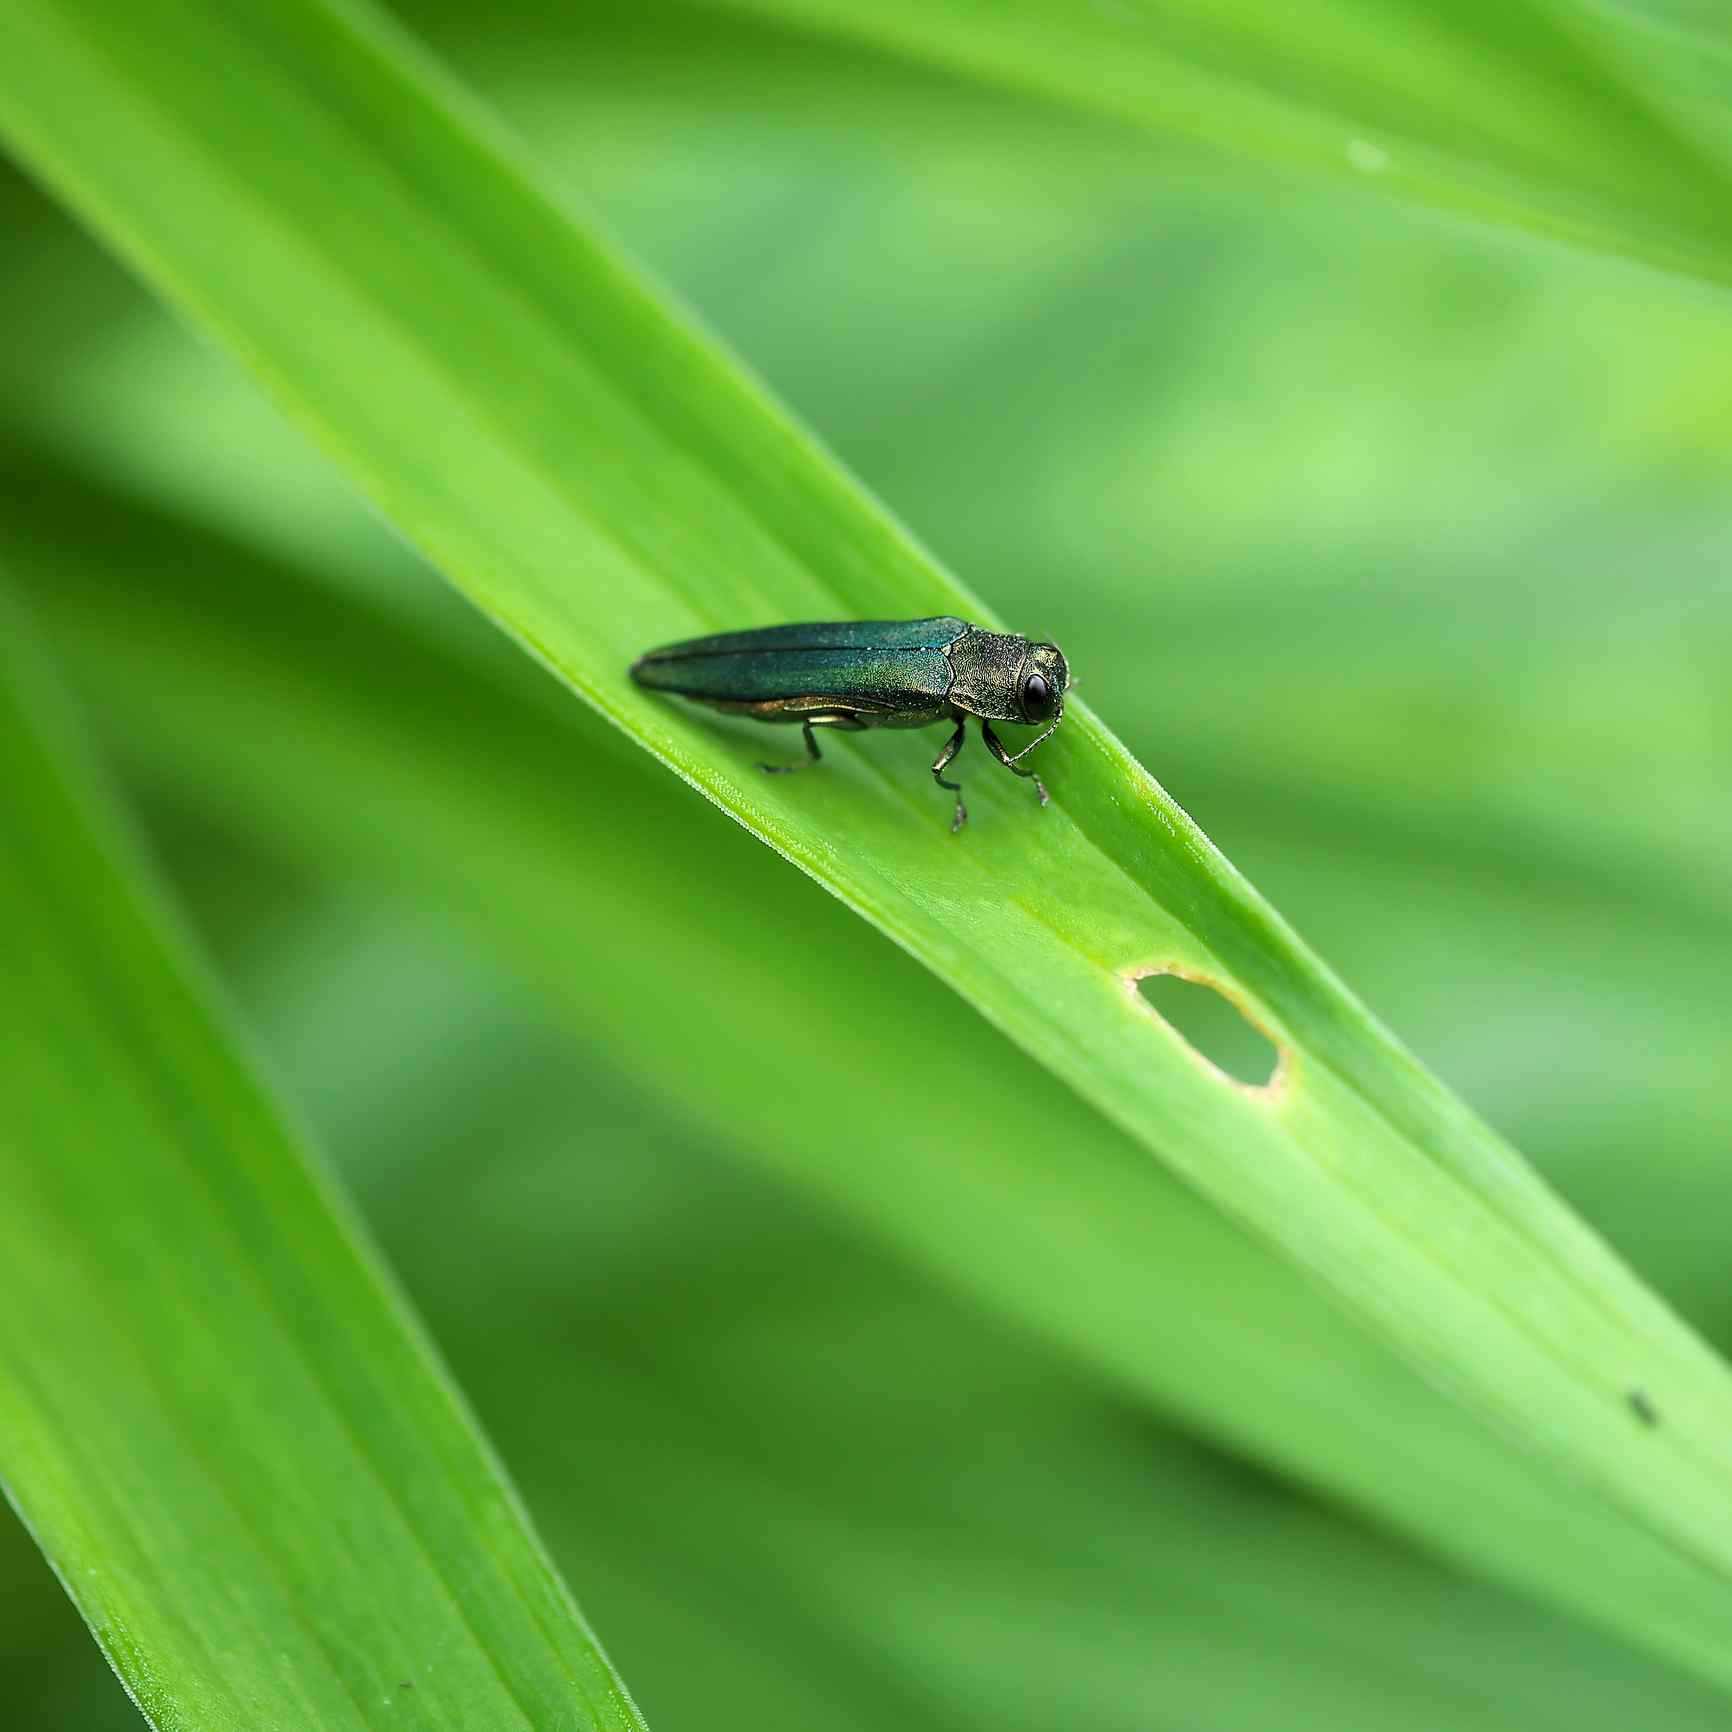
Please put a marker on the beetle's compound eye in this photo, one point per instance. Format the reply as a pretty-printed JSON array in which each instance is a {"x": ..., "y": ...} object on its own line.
[{"x": 1037, "y": 697}]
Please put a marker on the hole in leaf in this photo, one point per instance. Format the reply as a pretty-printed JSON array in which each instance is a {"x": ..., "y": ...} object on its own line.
[{"x": 1214, "y": 1026}]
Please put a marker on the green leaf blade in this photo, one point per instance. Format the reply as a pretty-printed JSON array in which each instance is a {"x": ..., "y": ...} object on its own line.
[
  {"x": 1558, "y": 120},
  {"x": 220, "y": 1425}
]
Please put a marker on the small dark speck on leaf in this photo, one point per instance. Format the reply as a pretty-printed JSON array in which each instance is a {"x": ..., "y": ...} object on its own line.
[
  {"x": 405, "y": 1685},
  {"x": 1641, "y": 1406}
]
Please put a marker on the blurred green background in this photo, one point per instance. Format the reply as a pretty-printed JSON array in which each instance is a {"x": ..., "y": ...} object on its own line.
[{"x": 1400, "y": 551}]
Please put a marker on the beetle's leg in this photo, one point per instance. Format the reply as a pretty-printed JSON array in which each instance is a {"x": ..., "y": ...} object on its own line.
[
  {"x": 996, "y": 746},
  {"x": 845, "y": 719},
  {"x": 813, "y": 756},
  {"x": 942, "y": 762}
]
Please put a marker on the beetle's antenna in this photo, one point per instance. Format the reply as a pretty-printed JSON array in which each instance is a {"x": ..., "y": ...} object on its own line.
[{"x": 1059, "y": 717}]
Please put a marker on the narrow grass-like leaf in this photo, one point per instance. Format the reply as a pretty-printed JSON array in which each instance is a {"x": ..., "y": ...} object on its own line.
[
  {"x": 327, "y": 734},
  {"x": 216, "y": 1418},
  {"x": 598, "y": 477},
  {"x": 1544, "y": 115}
]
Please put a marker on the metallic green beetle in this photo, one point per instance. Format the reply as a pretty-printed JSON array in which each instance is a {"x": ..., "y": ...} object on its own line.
[{"x": 873, "y": 673}]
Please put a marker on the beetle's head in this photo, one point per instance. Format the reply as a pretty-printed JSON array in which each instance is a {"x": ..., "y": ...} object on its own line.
[{"x": 1040, "y": 695}]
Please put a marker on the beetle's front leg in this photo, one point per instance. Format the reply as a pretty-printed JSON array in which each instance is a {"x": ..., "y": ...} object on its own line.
[
  {"x": 996, "y": 746},
  {"x": 939, "y": 764}
]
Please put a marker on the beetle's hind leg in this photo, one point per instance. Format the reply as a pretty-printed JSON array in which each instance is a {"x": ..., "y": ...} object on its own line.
[
  {"x": 942, "y": 762},
  {"x": 996, "y": 746},
  {"x": 813, "y": 756},
  {"x": 824, "y": 719}
]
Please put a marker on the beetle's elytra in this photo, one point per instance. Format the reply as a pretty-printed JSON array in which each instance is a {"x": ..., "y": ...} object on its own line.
[{"x": 873, "y": 673}]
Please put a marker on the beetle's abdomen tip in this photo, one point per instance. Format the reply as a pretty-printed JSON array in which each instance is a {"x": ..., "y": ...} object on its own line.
[{"x": 657, "y": 672}]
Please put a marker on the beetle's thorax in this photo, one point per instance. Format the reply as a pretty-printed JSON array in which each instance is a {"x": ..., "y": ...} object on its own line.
[{"x": 987, "y": 666}]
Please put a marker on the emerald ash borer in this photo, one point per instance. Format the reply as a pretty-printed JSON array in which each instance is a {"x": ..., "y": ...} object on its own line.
[{"x": 873, "y": 673}]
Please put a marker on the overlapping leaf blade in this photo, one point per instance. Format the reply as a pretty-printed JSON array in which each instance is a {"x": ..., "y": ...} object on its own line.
[
  {"x": 219, "y": 1423},
  {"x": 1537, "y": 115}
]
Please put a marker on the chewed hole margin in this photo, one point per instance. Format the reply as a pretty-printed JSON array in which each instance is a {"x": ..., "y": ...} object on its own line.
[{"x": 1212, "y": 1023}]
